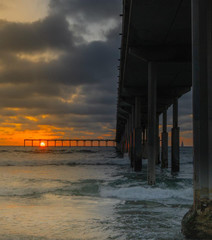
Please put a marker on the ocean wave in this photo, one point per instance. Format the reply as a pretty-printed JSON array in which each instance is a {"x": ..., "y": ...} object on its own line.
[
  {"x": 71, "y": 164},
  {"x": 3, "y": 151},
  {"x": 36, "y": 188},
  {"x": 54, "y": 150},
  {"x": 145, "y": 193}
]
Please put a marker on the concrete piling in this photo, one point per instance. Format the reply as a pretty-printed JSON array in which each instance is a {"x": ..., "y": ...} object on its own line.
[
  {"x": 164, "y": 151},
  {"x": 175, "y": 161},
  {"x": 152, "y": 140},
  {"x": 144, "y": 145},
  {"x": 158, "y": 141},
  {"x": 137, "y": 136},
  {"x": 197, "y": 223},
  {"x": 132, "y": 155}
]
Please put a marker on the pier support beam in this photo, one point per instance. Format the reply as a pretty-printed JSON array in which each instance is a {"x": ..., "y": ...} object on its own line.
[
  {"x": 175, "y": 165},
  {"x": 130, "y": 153},
  {"x": 129, "y": 135},
  {"x": 164, "y": 152},
  {"x": 152, "y": 122},
  {"x": 144, "y": 146},
  {"x": 137, "y": 134},
  {"x": 126, "y": 137},
  {"x": 158, "y": 141},
  {"x": 197, "y": 223}
]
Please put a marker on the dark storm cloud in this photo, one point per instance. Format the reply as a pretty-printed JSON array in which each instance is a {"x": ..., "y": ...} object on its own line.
[
  {"x": 94, "y": 63},
  {"x": 51, "y": 32},
  {"x": 91, "y": 63},
  {"x": 89, "y": 10},
  {"x": 77, "y": 89},
  {"x": 35, "y": 81}
]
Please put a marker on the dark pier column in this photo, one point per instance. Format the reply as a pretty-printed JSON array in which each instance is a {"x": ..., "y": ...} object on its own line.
[
  {"x": 130, "y": 139},
  {"x": 175, "y": 165},
  {"x": 129, "y": 135},
  {"x": 98, "y": 143},
  {"x": 126, "y": 137},
  {"x": 124, "y": 148},
  {"x": 55, "y": 143},
  {"x": 122, "y": 144},
  {"x": 164, "y": 152},
  {"x": 69, "y": 143},
  {"x": 152, "y": 122},
  {"x": 197, "y": 223},
  {"x": 145, "y": 147},
  {"x": 32, "y": 143},
  {"x": 144, "y": 135},
  {"x": 158, "y": 141},
  {"x": 132, "y": 151},
  {"x": 137, "y": 134}
]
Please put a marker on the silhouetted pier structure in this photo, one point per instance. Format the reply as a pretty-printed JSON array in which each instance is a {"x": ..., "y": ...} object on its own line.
[
  {"x": 71, "y": 142},
  {"x": 166, "y": 48}
]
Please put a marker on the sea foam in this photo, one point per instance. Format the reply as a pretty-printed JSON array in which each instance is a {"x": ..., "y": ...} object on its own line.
[{"x": 145, "y": 193}]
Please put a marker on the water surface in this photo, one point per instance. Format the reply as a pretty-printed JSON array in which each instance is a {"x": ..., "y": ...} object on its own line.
[{"x": 87, "y": 194}]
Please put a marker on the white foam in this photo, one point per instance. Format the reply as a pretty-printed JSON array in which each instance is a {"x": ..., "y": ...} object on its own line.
[{"x": 146, "y": 193}]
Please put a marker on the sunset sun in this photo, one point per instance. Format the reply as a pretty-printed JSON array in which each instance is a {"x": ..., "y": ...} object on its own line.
[{"x": 42, "y": 144}]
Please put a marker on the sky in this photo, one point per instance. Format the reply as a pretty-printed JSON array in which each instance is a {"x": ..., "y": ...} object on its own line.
[{"x": 58, "y": 70}]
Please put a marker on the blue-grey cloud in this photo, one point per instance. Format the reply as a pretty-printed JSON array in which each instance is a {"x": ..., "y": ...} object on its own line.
[{"x": 75, "y": 89}]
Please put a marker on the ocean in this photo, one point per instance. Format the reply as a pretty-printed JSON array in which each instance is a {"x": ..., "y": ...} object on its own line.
[{"x": 89, "y": 193}]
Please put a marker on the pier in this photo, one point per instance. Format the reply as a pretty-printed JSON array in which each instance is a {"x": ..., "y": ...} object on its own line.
[
  {"x": 70, "y": 142},
  {"x": 166, "y": 48}
]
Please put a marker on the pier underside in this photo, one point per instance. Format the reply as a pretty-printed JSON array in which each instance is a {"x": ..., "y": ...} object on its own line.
[{"x": 166, "y": 48}]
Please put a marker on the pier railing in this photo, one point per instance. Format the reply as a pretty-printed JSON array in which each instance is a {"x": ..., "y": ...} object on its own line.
[{"x": 70, "y": 142}]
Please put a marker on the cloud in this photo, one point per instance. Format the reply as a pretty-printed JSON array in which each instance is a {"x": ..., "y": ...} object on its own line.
[
  {"x": 51, "y": 32},
  {"x": 91, "y": 11},
  {"x": 49, "y": 69},
  {"x": 89, "y": 19}
]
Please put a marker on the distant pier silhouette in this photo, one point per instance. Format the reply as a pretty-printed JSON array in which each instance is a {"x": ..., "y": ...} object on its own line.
[{"x": 70, "y": 142}]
